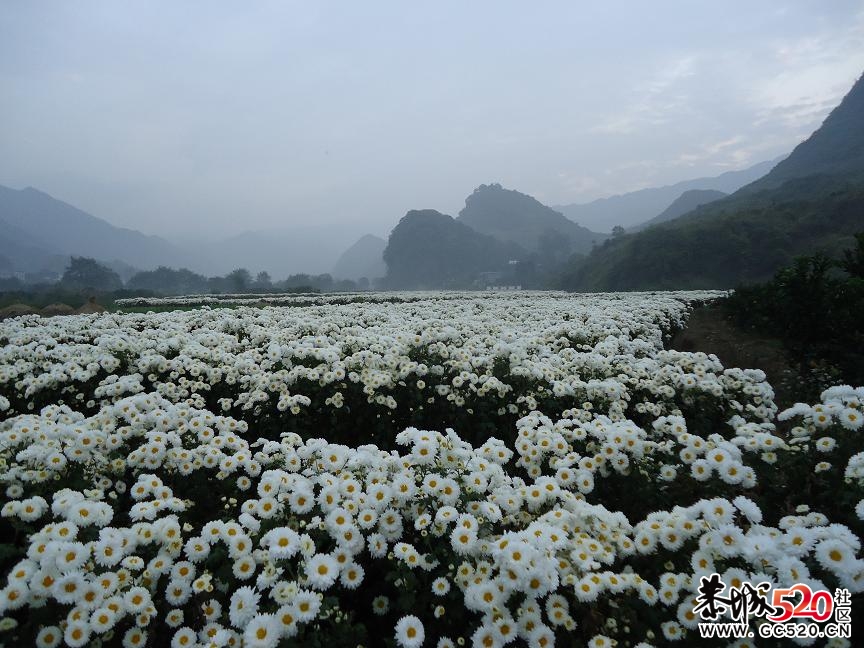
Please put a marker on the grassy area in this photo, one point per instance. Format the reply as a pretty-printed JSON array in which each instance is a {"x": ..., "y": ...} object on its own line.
[
  {"x": 114, "y": 308},
  {"x": 711, "y": 330}
]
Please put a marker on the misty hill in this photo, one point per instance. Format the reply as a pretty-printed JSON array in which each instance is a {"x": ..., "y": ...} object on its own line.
[
  {"x": 24, "y": 252},
  {"x": 311, "y": 249},
  {"x": 365, "y": 258},
  {"x": 430, "y": 250},
  {"x": 521, "y": 219},
  {"x": 686, "y": 202},
  {"x": 747, "y": 236},
  {"x": 730, "y": 241},
  {"x": 636, "y": 207},
  {"x": 40, "y": 232},
  {"x": 836, "y": 148}
]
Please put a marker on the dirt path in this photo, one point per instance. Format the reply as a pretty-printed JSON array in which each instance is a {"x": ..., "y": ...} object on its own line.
[{"x": 708, "y": 330}]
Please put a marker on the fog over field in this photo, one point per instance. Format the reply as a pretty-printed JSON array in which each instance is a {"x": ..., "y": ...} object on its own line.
[
  {"x": 456, "y": 146},
  {"x": 425, "y": 325},
  {"x": 203, "y": 120}
]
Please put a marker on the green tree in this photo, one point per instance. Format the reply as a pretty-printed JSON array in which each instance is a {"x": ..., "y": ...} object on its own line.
[
  {"x": 238, "y": 280},
  {"x": 84, "y": 273},
  {"x": 554, "y": 247},
  {"x": 853, "y": 258},
  {"x": 816, "y": 312},
  {"x": 168, "y": 281},
  {"x": 263, "y": 281}
]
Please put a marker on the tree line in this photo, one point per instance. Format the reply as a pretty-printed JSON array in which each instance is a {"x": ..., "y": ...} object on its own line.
[
  {"x": 87, "y": 275},
  {"x": 815, "y": 307}
]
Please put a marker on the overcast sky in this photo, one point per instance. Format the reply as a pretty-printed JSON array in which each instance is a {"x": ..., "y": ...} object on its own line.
[{"x": 217, "y": 117}]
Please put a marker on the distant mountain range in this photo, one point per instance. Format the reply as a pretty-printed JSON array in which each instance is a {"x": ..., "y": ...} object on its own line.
[
  {"x": 502, "y": 236},
  {"x": 365, "y": 258},
  {"x": 812, "y": 201},
  {"x": 40, "y": 232},
  {"x": 636, "y": 207},
  {"x": 690, "y": 234},
  {"x": 311, "y": 249},
  {"x": 835, "y": 149},
  {"x": 431, "y": 250},
  {"x": 686, "y": 202},
  {"x": 521, "y": 219}
]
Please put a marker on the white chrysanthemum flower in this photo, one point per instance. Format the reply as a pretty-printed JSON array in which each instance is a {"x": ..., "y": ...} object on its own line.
[
  {"x": 701, "y": 470},
  {"x": 463, "y": 540},
  {"x": 540, "y": 637},
  {"x": 71, "y": 556},
  {"x": 646, "y": 541},
  {"x": 244, "y": 567},
  {"x": 301, "y": 500},
  {"x": 377, "y": 545},
  {"x": 174, "y": 618},
  {"x": 287, "y": 618},
  {"x": 600, "y": 641},
  {"x": 68, "y": 588},
  {"x": 749, "y": 508},
  {"x": 791, "y": 570},
  {"x": 352, "y": 576},
  {"x": 440, "y": 586},
  {"x": 103, "y": 619},
  {"x": 672, "y": 630},
  {"x": 668, "y": 473},
  {"x": 367, "y": 518},
  {"x": 338, "y": 519},
  {"x": 322, "y": 570},
  {"x": 380, "y": 605},
  {"x": 648, "y": 593},
  {"x": 281, "y": 542},
  {"x": 821, "y": 418},
  {"x": 826, "y": 444},
  {"x": 855, "y": 467},
  {"x": 23, "y": 571},
  {"x": 243, "y": 606},
  {"x": 557, "y": 610},
  {"x": 134, "y": 638},
  {"x": 77, "y": 633},
  {"x": 14, "y": 596},
  {"x": 409, "y": 632},
  {"x": 685, "y": 614},
  {"x": 178, "y": 592},
  {"x": 586, "y": 590},
  {"x": 307, "y": 605},
  {"x": 262, "y": 631},
  {"x": 184, "y": 638},
  {"x": 49, "y": 637},
  {"x": 32, "y": 509},
  {"x": 487, "y": 634},
  {"x": 835, "y": 555},
  {"x": 851, "y": 418}
]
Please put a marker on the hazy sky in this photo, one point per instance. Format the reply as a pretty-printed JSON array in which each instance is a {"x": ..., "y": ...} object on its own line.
[{"x": 216, "y": 117}]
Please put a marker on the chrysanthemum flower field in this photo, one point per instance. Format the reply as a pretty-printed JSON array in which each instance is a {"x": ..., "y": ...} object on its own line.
[{"x": 526, "y": 469}]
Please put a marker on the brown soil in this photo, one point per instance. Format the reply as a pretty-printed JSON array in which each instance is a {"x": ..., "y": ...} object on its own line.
[
  {"x": 57, "y": 309},
  {"x": 91, "y": 307},
  {"x": 16, "y": 310},
  {"x": 708, "y": 330}
]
